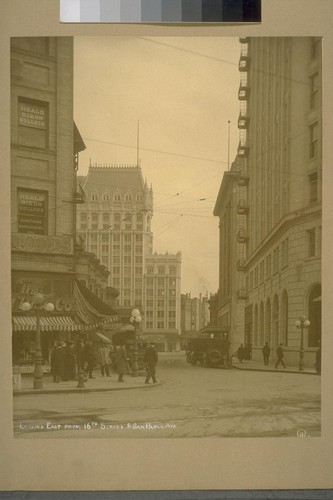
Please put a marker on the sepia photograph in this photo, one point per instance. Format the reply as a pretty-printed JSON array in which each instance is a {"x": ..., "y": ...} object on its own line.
[{"x": 166, "y": 217}]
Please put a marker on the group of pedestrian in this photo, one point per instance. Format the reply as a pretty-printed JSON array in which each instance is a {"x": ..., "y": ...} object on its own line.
[{"x": 68, "y": 360}]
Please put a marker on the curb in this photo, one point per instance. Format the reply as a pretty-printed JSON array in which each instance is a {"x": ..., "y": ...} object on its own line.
[
  {"x": 28, "y": 392},
  {"x": 274, "y": 370}
]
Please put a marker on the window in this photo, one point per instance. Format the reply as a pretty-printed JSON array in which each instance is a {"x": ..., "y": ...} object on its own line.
[
  {"x": 312, "y": 242},
  {"x": 149, "y": 314},
  {"x": 172, "y": 324},
  {"x": 251, "y": 281},
  {"x": 127, "y": 259},
  {"x": 172, "y": 282},
  {"x": 138, "y": 249},
  {"x": 138, "y": 270},
  {"x": 116, "y": 282},
  {"x": 105, "y": 238},
  {"x": 314, "y": 141},
  {"x": 93, "y": 197},
  {"x": 314, "y": 91},
  {"x": 285, "y": 253},
  {"x": 149, "y": 302},
  {"x": 116, "y": 270},
  {"x": 172, "y": 314},
  {"x": 160, "y": 303},
  {"x": 117, "y": 198},
  {"x": 138, "y": 282},
  {"x": 105, "y": 260},
  {"x": 105, "y": 197},
  {"x": 116, "y": 237},
  {"x": 83, "y": 225},
  {"x": 172, "y": 270},
  {"x": 256, "y": 277},
  {"x": 116, "y": 260},
  {"x": 128, "y": 197},
  {"x": 83, "y": 216},
  {"x": 313, "y": 187},
  {"x": 33, "y": 123},
  {"x": 138, "y": 260},
  {"x": 149, "y": 281},
  {"x": 127, "y": 271},
  {"x": 128, "y": 221},
  {"x": 160, "y": 324},
  {"x": 150, "y": 270},
  {"x": 127, "y": 248},
  {"x": 276, "y": 257},
  {"x": 160, "y": 270},
  {"x": 160, "y": 282},
  {"x": 127, "y": 238},
  {"x": 261, "y": 273},
  {"x": 116, "y": 248},
  {"x": 268, "y": 266},
  {"x": 150, "y": 292},
  {"x": 139, "y": 197},
  {"x": 149, "y": 324},
  {"x": 93, "y": 248},
  {"x": 105, "y": 248},
  {"x": 160, "y": 293},
  {"x": 160, "y": 314},
  {"x": 94, "y": 221},
  {"x": 93, "y": 237},
  {"x": 138, "y": 238},
  {"x": 172, "y": 303},
  {"x": 127, "y": 282}
]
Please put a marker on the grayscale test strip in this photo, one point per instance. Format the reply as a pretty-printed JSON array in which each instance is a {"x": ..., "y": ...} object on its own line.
[{"x": 160, "y": 11}]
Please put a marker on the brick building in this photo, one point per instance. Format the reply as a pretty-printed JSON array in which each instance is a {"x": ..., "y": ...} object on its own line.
[{"x": 45, "y": 144}]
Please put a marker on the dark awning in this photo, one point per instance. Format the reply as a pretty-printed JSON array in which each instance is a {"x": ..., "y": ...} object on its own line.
[{"x": 91, "y": 311}]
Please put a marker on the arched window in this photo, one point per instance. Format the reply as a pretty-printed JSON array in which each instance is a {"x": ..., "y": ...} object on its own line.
[
  {"x": 276, "y": 323},
  {"x": 268, "y": 322},
  {"x": 314, "y": 316},
  {"x": 117, "y": 197},
  {"x": 284, "y": 318},
  {"x": 255, "y": 332},
  {"x": 128, "y": 197},
  {"x": 261, "y": 324}
]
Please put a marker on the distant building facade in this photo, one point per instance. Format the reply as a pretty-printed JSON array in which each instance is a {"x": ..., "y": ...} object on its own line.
[
  {"x": 271, "y": 267},
  {"x": 194, "y": 313},
  {"x": 115, "y": 224}
]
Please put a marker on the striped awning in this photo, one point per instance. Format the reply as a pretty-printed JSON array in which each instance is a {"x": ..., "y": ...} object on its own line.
[
  {"x": 87, "y": 313},
  {"x": 24, "y": 323}
]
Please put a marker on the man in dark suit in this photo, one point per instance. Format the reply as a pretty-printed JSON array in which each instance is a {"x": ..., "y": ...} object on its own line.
[{"x": 150, "y": 361}]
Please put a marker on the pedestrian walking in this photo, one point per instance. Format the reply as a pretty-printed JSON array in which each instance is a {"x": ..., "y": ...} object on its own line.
[
  {"x": 266, "y": 351},
  {"x": 280, "y": 354},
  {"x": 240, "y": 353},
  {"x": 150, "y": 360},
  {"x": 89, "y": 359},
  {"x": 104, "y": 359},
  {"x": 122, "y": 365},
  {"x": 58, "y": 362},
  {"x": 69, "y": 361}
]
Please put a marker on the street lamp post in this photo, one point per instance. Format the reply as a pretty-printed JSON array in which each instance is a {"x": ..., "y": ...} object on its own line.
[
  {"x": 37, "y": 305},
  {"x": 301, "y": 324},
  {"x": 135, "y": 320}
]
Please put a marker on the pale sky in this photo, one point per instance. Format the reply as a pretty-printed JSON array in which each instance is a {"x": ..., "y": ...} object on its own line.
[{"x": 183, "y": 91}]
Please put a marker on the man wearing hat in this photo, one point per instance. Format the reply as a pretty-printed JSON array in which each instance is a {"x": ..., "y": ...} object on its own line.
[
  {"x": 150, "y": 361},
  {"x": 104, "y": 359}
]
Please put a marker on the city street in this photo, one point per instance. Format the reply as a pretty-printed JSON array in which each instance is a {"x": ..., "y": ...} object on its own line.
[{"x": 191, "y": 401}]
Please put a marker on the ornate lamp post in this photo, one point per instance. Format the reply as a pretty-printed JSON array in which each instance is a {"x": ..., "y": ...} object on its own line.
[
  {"x": 37, "y": 304},
  {"x": 135, "y": 320},
  {"x": 301, "y": 324}
]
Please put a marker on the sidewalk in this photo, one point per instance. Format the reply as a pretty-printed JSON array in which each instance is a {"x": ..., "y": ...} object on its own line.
[
  {"x": 98, "y": 384},
  {"x": 260, "y": 367}
]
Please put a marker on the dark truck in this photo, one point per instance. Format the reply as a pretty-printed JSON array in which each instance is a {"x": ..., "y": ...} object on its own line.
[{"x": 211, "y": 350}]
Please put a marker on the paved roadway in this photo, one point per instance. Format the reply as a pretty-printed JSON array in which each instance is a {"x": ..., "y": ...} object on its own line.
[{"x": 190, "y": 402}]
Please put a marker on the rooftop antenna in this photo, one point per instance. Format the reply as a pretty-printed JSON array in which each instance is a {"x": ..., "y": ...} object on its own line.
[
  {"x": 228, "y": 144},
  {"x": 138, "y": 145}
]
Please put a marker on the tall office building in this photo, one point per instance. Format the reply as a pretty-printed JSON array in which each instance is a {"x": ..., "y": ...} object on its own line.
[
  {"x": 115, "y": 224},
  {"x": 278, "y": 174}
]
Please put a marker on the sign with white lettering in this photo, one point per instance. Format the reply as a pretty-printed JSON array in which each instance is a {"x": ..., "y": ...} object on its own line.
[
  {"x": 32, "y": 211},
  {"x": 32, "y": 115}
]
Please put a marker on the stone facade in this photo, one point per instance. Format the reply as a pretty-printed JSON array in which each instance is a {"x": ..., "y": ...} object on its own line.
[{"x": 280, "y": 159}]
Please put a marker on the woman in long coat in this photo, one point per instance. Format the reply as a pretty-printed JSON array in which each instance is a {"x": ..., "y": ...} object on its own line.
[{"x": 122, "y": 366}]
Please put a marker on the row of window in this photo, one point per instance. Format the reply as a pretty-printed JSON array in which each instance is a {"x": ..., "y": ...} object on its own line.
[
  {"x": 162, "y": 270},
  {"x": 160, "y": 282},
  {"x": 160, "y": 314},
  {"x": 161, "y": 324},
  {"x": 257, "y": 275},
  {"x": 160, "y": 303},
  {"x": 116, "y": 249},
  {"x": 116, "y": 197}
]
